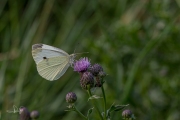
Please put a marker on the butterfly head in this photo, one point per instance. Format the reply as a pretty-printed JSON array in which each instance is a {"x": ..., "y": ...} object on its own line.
[{"x": 72, "y": 58}]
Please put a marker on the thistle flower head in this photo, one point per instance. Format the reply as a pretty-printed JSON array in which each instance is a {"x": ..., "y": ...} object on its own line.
[
  {"x": 95, "y": 69},
  {"x": 127, "y": 114},
  {"x": 24, "y": 113},
  {"x": 99, "y": 74},
  {"x": 87, "y": 80},
  {"x": 71, "y": 97},
  {"x": 82, "y": 65},
  {"x": 34, "y": 114}
]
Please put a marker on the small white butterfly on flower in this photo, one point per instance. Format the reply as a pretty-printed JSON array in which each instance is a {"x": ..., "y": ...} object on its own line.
[{"x": 51, "y": 62}]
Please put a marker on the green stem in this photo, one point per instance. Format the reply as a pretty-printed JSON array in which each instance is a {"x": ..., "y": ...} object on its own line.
[
  {"x": 95, "y": 106},
  {"x": 80, "y": 113},
  {"x": 104, "y": 98}
]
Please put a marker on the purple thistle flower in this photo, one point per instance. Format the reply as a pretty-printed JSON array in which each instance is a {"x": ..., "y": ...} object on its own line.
[{"x": 82, "y": 65}]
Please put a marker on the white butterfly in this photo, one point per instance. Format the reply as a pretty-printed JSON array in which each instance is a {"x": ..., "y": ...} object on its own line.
[{"x": 51, "y": 62}]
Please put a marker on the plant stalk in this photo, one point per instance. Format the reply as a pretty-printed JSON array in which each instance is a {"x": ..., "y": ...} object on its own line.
[
  {"x": 85, "y": 118},
  {"x": 95, "y": 106},
  {"x": 104, "y": 98}
]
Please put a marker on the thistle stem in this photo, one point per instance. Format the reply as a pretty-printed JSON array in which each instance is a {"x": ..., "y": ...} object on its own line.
[
  {"x": 104, "y": 98},
  {"x": 93, "y": 102},
  {"x": 85, "y": 118}
]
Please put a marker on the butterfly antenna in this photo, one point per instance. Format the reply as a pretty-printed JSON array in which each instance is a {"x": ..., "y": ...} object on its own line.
[{"x": 81, "y": 53}]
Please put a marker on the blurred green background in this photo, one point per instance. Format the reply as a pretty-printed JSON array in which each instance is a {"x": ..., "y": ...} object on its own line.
[{"x": 136, "y": 42}]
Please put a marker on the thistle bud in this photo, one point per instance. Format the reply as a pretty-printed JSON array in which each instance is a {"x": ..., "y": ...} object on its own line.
[
  {"x": 96, "y": 69},
  {"x": 87, "y": 80},
  {"x": 71, "y": 97},
  {"x": 24, "y": 113},
  {"x": 127, "y": 114},
  {"x": 98, "y": 72},
  {"x": 34, "y": 114}
]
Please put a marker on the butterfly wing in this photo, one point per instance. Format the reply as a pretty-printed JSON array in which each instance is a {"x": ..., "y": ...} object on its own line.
[
  {"x": 51, "y": 62},
  {"x": 53, "y": 68},
  {"x": 42, "y": 51}
]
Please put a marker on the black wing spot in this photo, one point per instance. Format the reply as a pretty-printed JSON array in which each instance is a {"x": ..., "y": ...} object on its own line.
[{"x": 45, "y": 58}]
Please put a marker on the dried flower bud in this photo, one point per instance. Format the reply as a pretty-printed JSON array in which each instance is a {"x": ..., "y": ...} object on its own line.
[
  {"x": 127, "y": 114},
  {"x": 71, "y": 97},
  {"x": 82, "y": 65},
  {"x": 34, "y": 114},
  {"x": 24, "y": 113},
  {"x": 87, "y": 80},
  {"x": 95, "y": 69}
]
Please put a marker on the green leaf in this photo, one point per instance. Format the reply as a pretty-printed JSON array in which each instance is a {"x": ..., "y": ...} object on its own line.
[
  {"x": 94, "y": 97},
  {"x": 70, "y": 106},
  {"x": 115, "y": 108},
  {"x": 70, "y": 110},
  {"x": 119, "y": 107},
  {"x": 89, "y": 112}
]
